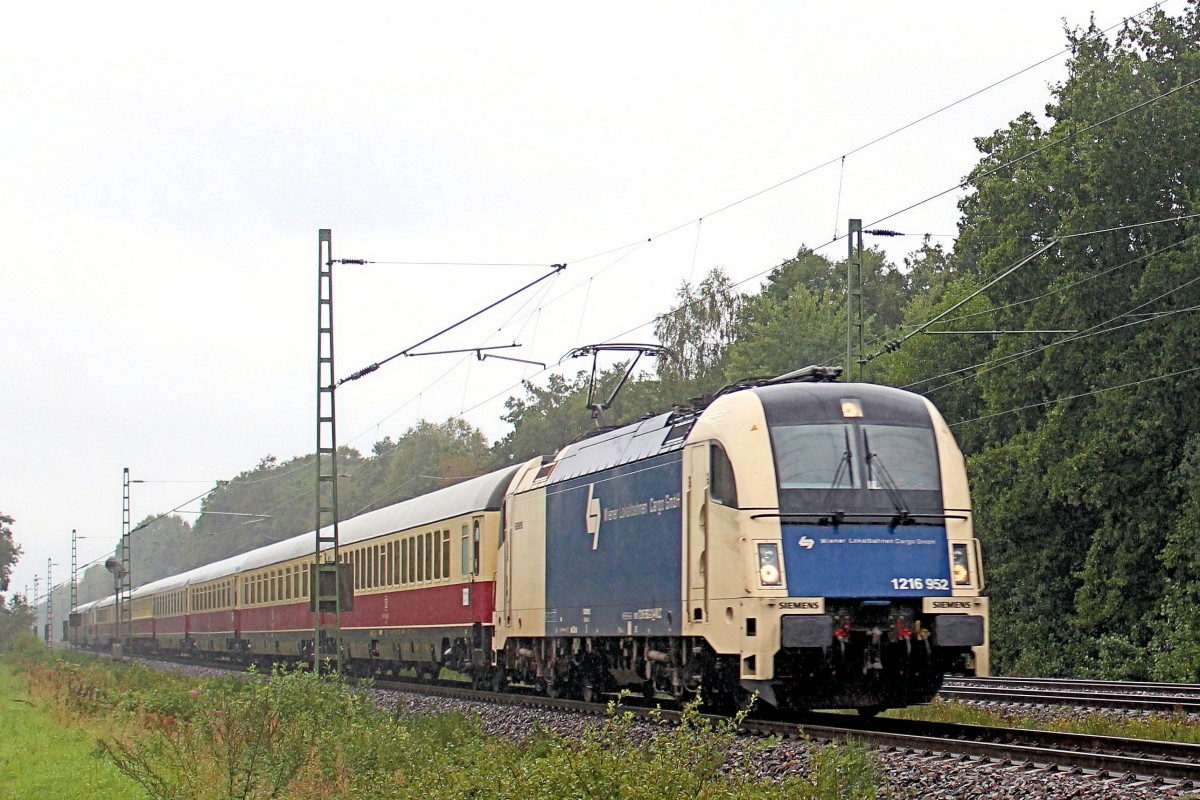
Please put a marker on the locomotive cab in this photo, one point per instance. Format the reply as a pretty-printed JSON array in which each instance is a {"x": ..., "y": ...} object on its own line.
[{"x": 847, "y": 512}]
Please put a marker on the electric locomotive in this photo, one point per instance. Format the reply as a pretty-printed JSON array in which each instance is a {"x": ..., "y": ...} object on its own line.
[{"x": 799, "y": 538}]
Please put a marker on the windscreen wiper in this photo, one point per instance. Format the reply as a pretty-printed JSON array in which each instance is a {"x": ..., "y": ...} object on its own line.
[
  {"x": 893, "y": 491},
  {"x": 844, "y": 465}
]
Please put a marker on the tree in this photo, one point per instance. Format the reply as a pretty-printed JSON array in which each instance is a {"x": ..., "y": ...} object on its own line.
[
  {"x": 1081, "y": 506},
  {"x": 16, "y": 617},
  {"x": 697, "y": 331},
  {"x": 10, "y": 551},
  {"x": 549, "y": 417}
]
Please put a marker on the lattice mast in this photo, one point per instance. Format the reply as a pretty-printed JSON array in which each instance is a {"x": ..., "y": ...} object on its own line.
[
  {"x": 74, "y": 572},
  {"x": 125, "y": 579},
  {"x": 854, "y": 301},
  {"x": 324, "y": 585}
]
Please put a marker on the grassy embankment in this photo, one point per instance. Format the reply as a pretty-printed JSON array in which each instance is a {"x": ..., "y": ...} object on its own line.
[
  {"x": 296, "y": 737},
  {"x": 46, "y": 755}
]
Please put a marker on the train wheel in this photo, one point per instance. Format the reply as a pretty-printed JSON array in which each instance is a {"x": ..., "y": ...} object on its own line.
[{"x": 499, "y": 680}]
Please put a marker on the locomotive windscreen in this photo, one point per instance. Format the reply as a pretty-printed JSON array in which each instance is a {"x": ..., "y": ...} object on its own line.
[
  {"x": 859, "y": 491},
  {"x": 855, "y": 449},
  {"x": 834, "y": 457}
]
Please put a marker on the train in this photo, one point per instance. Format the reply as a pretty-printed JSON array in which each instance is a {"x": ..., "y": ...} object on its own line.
[{"x": 798, "y": 541}]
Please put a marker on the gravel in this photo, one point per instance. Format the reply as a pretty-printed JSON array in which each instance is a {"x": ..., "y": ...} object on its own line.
[{"x": 908, "y": 775}]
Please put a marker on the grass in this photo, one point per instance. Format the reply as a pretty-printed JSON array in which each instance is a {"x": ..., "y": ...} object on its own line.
[
  {"x": 300, "y": 737},
  {"x": 1170, "y": 728},
  {"x": 45, "y": 755}
]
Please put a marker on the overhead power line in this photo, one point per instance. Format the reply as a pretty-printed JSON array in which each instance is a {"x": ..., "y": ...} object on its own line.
[
  {"x": 1175, "y": 374},
  {"x": 556, "y": 268}
]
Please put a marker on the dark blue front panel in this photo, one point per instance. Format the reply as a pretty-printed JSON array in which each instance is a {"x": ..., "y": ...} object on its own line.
[
  {"x": 613, "y": 543},
  {"x": 866, "y": 561}
]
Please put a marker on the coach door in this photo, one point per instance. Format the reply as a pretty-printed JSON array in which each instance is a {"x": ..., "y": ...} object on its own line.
[{"x": 695, "y": 534}]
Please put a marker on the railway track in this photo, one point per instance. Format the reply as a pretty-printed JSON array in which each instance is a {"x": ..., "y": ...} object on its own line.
[
  {"x": 1169, "y": 698},
  {"x": 1105, "y": 757},
  {"x": 1128, "y": 761}
]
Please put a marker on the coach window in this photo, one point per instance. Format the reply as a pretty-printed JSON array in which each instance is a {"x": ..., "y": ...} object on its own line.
[
  {"x": 475, "y": 546},
  {"x": 466, "y": 551},
  {"x": 446, "y": 554},
  {"x": 420, "y": 559},
  {"x": 376, "y": 572},
  {"x": 723, "y": 487},
  {"x": 437, "y": 554},
  {"x": 428, "y": 556}
]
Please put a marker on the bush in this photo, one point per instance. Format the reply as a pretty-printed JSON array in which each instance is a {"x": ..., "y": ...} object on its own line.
[{"x": 301, "y": 736}]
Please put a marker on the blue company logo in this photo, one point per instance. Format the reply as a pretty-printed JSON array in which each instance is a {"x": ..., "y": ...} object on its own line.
[
  {"x": 806, "y": 542},
  {"x": 592, "y": 512}
]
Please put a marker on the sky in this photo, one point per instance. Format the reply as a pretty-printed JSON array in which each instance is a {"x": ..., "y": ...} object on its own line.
[{"x": 165, "y": 170}]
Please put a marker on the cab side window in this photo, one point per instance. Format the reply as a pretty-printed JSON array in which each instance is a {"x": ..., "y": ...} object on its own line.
[{"x": 723, "y": 486}]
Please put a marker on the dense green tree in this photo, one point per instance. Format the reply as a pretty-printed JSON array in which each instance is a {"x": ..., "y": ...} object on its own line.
[
  {"x": 428, "y": 456},
  {"x": 10, "y": 551},
  {"x": 16, "y": 617},
  {"x": 697, "y": 331},
  {"x": 1087, "y": 470},
  {"x": 549, "y": 417}
]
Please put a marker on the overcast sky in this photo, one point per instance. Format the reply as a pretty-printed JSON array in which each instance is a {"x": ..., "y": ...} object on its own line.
[{"x": 165, "y": 170}]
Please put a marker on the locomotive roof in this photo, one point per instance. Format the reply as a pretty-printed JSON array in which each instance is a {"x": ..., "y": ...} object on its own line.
[
  {"x": 649, "y": 437},
  {"x": 799, "y": 403},
  {"x": 795, "y": 401}
]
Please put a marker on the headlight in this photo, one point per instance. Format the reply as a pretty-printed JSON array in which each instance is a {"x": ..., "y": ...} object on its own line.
[
  {"x": 959, "y": 567},
  {"x": 769, "y": 573}
]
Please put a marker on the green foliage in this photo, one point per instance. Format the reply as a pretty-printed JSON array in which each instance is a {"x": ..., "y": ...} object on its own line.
[
  {"x": 16, "y": 626},
  {"x": 10, "y": 551},
  {"x": 697, "y": 332},
  {"x": 1179, "y": 727},
  {"x": 546, "y": 418},
  {"x": 553, "y": 416},
  {"x": 297, "y": 735},
  {"x": 846, "y": 771},
  {"x": 249, "y": 739},
  {"x": 44, "y": 755},
  {"x": 1089, "y": 542}
]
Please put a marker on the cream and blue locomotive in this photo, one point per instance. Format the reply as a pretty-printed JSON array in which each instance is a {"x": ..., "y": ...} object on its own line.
[{"x": 800, "y": 538}]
